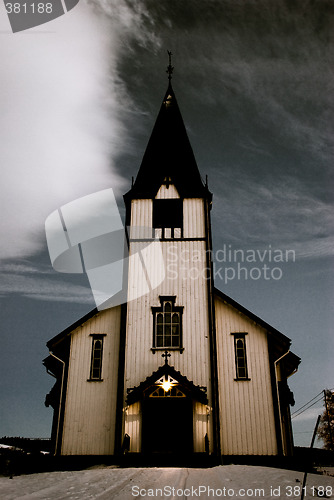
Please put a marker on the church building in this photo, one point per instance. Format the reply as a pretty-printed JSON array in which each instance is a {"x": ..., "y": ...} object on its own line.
[{"x": 179, "y": 369}]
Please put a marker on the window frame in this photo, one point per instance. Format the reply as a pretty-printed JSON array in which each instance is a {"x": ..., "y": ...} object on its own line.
[
  {"x": 240, "y": 336},
  {"x": 161, "y": 310},
  {"x": 95, "y": 338}
]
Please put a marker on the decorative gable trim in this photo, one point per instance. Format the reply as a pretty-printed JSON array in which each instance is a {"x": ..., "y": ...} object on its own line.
[{"x": 187, "y": 386}]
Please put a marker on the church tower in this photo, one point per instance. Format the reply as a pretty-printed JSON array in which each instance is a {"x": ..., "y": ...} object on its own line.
[{"x": 169, "y": 333}]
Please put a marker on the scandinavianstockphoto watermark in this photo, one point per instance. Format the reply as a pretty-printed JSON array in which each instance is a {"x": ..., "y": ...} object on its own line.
[
  {"x": 230, "y": 263},
  {"x": 87, "y": 236}
]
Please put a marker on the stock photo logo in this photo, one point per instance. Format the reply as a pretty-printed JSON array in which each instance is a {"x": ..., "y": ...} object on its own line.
[
  {"x": 25, "y": 14},
  {"x": 87, "y": 236}
]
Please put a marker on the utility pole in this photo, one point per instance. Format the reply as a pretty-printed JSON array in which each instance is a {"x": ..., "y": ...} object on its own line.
[{"x": 311, "y": 446}]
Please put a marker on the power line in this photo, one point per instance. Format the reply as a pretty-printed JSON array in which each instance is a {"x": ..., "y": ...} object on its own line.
[
  {"x": 297, "y": 415},
  {"x": 303, "y": 432},
  {"x": 306, "y": 403}
]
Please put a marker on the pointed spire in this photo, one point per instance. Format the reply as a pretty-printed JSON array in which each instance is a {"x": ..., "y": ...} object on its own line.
[{"x": 168, "y": 154}]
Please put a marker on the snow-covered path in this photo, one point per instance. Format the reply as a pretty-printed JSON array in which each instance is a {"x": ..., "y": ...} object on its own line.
[{"x": 228, "y": 481}]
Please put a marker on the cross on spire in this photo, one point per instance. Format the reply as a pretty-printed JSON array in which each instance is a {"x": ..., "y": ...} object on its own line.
[
  {"x": 170, "y": 68},
  {"x": 166, "y": 355}
]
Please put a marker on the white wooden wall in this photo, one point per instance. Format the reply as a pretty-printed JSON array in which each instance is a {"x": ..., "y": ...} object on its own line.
[
  {"x": 201, "y": 426},
  {"x": 133, "y": 426},
  {"x": 191, "y": 294},
  {"x": 185, "y": 280},
  {"x": 190, "y": 288},
  {"x": 90, "y": 410},
  {"x": 193, "y": 218},
  {"x": 141, "y": 213},
  {"x": 246, "y": 407}
]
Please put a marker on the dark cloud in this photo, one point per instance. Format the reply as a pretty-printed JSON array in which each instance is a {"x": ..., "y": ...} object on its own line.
[{"x": 255, "y": 87}]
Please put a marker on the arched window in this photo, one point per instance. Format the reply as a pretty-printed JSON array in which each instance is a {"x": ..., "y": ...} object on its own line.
[
  {"x": 240, "y": 356},
  {"x": 174, "y": 392},
  {"x": 167, "y": 325},
  {"x": 96, "y": 357}
]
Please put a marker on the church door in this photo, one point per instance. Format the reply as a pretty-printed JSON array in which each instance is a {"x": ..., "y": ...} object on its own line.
[{"x": 167, "y": 426}]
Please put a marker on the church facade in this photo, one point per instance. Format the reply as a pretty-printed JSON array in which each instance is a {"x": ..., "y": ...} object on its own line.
[{"x": 180, "y": 369}]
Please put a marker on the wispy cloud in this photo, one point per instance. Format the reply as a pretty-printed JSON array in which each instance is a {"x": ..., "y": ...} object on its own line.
[
  {"x": 23, "y": 267},
  {"x": 41, "y": 283},
  {"x": 62, "y": 105},
  {"x": 284, "y": 214},
  {"x": 260, "y": 78}
]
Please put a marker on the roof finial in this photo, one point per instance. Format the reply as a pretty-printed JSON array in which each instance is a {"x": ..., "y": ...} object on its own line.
[{"x": 169, "y": 67}]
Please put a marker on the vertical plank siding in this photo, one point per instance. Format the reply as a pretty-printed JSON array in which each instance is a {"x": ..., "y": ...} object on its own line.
[
  {"x": 133, "y": 423},
  {"x": 89, "y": 422},
  {"x": 193, "y": 218},
  {"x": 141, "y": 217},
  {"x": 184, "y": 267},
  {"x": 190, "y": 293},
  {"x": 246, "y": 406},
  {"x": 201, "y": 426}
]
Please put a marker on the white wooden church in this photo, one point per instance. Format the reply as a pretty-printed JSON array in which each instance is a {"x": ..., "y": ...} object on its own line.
[{"x": 182, "y": 370}]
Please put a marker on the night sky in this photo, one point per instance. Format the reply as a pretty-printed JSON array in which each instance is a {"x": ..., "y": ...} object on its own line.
[{"x": 79, "y": 97}]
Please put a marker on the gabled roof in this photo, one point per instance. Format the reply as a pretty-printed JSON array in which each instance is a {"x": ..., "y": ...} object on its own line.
[
  {"x": 58, "y": 338},
  {"x": 168, "y": 156},
  {"x": 196, "y": 392},
  {"x": 282, "y": 342},
  {"x": 270, "y": 329}
]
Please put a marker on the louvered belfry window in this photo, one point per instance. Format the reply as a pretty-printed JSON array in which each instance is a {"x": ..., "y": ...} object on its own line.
[
  {"x": 168, "y": 218},
  {"x": 167, "y": 325}
]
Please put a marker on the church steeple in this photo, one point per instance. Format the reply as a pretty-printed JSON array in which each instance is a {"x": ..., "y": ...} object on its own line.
[{"x": 168, "y": 156}]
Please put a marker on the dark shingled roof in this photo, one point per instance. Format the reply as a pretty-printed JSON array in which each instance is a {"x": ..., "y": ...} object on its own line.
[{"x": 168, "y": 156}]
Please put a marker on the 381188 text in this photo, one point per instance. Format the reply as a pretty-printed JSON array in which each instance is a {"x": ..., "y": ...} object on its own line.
[
  {"x": 295, "y": 491},
  {"x": 29, "y": 8}
]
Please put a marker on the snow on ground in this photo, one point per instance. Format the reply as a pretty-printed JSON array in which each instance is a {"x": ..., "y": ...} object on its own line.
[{"x": 239, "y": 481}]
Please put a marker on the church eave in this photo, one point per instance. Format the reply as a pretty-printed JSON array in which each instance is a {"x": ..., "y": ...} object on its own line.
[
  {"x": 278, "y": 342},
  {"x": 279, "y": 336},
  {"x": 60, "y": 336}
]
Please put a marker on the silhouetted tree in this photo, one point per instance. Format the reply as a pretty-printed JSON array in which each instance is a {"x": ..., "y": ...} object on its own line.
[{"x": 326, "y": 426}]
